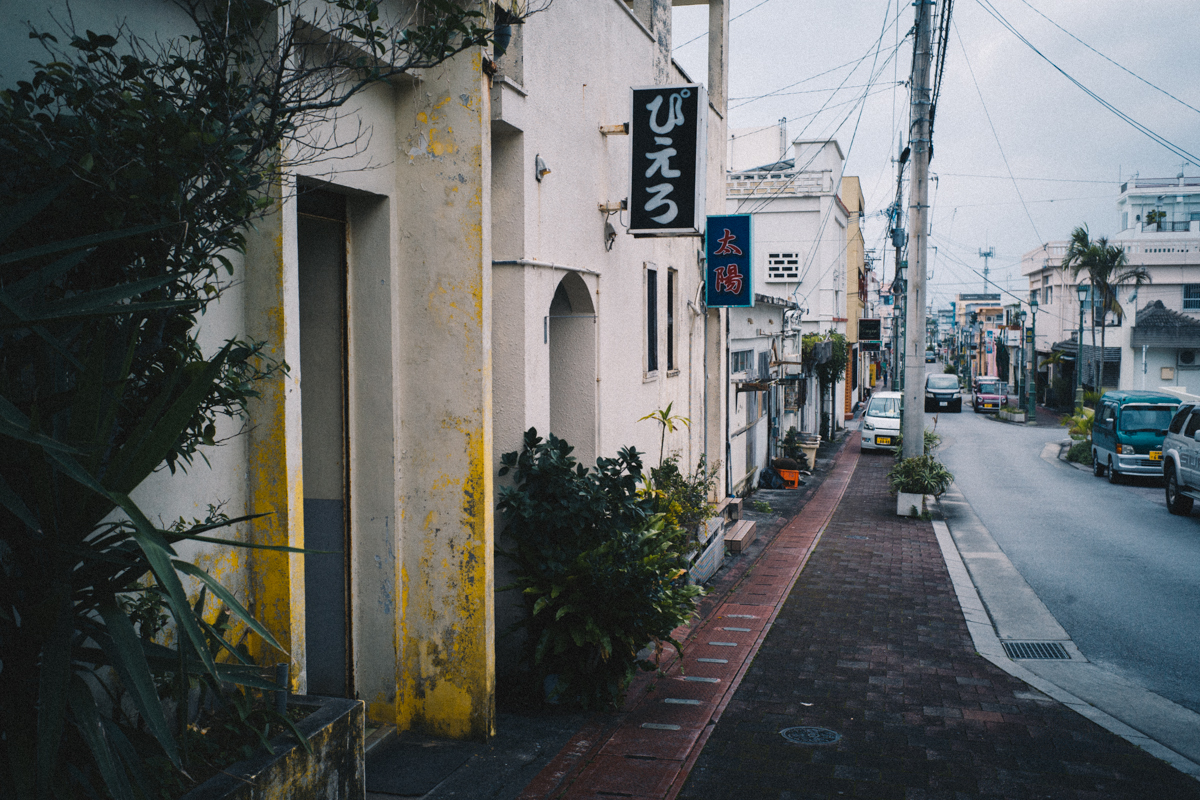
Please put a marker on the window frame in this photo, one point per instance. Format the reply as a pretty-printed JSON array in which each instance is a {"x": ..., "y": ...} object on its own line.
[
  {"x": 650, "y": 297},
  {"x": 1194, "y": 289},
  {"x": 672, "y": 299}
]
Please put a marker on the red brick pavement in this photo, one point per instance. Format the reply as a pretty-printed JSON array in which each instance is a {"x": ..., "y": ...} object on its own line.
[
  {"x": 646, "y": 751},
  {"x": 871, "y": 644}
]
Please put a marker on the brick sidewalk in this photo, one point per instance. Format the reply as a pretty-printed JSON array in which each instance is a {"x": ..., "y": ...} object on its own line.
[
  {"x": 872, "y": 645},
  {"x": 646, "y": 750}
]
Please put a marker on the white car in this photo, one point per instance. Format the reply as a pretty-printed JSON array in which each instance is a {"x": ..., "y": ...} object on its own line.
[{"x": 881, "y": 421}]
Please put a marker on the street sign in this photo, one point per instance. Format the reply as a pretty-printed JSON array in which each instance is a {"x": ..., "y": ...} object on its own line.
[
  {"x": 728, "y": 281},
  {"x": 1029, "y": 336},
  {"x": 870, "y": 330},
  {"x": 668, "y": 156}
]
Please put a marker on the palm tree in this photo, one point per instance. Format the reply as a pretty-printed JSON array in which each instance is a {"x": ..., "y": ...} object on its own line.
[{"x": 1108, "y": 269}]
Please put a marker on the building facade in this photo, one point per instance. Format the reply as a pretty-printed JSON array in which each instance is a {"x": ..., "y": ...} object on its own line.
[
  {"x": 458, "y": 275},
  {"x": 802, "y": 247}
]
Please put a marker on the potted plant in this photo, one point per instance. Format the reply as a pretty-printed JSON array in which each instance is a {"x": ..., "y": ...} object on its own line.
[{"x": 912, "y": 479}]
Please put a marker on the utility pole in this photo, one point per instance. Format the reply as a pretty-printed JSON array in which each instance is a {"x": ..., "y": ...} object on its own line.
[
  {"x": 919, "y": 136},
  {"x": 899, "y": 241},
  {"x": 985, "y": 255}
]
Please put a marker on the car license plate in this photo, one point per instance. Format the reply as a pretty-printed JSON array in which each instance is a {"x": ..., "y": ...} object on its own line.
[
  {"x": 1156, "y": 455},
  {"x": 987, "y": 405},
  {"x": 943, "y": 403},
  {"x": 883, "y": 440}
]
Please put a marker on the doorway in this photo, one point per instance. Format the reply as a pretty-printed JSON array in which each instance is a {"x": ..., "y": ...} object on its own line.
[
  {"x": 321, "y": 239},
  {"x": 571, "y": 335}
]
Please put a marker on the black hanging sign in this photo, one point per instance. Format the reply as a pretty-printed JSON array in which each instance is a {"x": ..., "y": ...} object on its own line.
[{"x": 668, "y": 149}]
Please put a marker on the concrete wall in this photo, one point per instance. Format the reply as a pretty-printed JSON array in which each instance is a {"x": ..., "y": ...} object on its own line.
[{"x": 455, "y": 341}]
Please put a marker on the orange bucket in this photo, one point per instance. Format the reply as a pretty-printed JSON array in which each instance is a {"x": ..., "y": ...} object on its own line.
[{"x": 791, "y": 477}]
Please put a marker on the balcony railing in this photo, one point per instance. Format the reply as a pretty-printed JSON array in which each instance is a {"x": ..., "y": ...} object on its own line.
[{"x": 1158, "y": 183}]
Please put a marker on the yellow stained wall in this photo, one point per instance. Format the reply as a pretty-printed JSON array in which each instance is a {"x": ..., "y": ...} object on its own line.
[
  {"x": 275, "y": 488},
  {"x": 444, "y": 623}
]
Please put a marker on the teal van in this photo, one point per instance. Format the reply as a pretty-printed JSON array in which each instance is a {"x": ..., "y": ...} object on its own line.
[{"x": 1128, "y": 432}]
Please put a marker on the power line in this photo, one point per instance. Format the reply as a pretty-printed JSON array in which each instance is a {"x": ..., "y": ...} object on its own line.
[
  {"x": 1010, "y": 177},
  {"x": 731, "y": 19},
  {"x": 1109, "y": 60},
  {"x": 995, "y": 135},
  {"x": 1156, "y": 137}
]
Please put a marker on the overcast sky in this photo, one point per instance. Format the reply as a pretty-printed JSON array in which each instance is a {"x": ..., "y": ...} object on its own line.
[{"x": 1066, "y": 151}]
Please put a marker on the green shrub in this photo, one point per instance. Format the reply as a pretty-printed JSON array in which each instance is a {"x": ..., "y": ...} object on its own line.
[
  {"x": 683, "y": 498},
  {"x": 1081, "y": 452},
  {"x": 601, "y": 573},
  {"x": 920, "y": 475},
  {"x": 1080, "y": 425}
]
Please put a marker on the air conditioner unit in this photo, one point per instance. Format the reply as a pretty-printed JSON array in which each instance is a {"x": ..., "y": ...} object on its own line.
[{"x": 1188, "y": 359}]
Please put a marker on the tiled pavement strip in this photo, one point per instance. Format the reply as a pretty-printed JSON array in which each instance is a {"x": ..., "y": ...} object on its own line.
[
  {"x": 664, "y": 728},
  {"x": 870, "y": 643}
]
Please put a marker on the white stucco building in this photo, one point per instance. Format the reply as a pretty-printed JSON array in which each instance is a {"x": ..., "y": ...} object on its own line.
[
  {"x": 1151, "y": 345},
  {"x": 459, "y": 276},
  {"x": 802, "y": 254}
]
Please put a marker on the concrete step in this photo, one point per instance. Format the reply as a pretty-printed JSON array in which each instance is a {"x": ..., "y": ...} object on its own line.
[{"x": 741, "y": 535}]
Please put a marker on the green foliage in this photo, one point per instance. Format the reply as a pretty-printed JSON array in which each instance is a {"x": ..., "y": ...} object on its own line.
[
  {"x": 1081, "y": 452},
  {"x": 791, "y": 446},
  {"x": 668, "y": 422},
  {"x": 132, "y": 170},
  {"x": 761, "y": 507},
  {"x": 601, "y": 573},
  {"x": 1156, "y": 218},
  {"x": 950, "y": 369},
  {"x": 682, "y": 499},
  {"x": 1080, "y": 425},
  {"x": 931, "y": 440},
  {"x": 920, "y": 475},
  {"x": 1091, "y": 397},
  {"x": 1108, "y": 269},
  {"x": 835, "y": 368}
]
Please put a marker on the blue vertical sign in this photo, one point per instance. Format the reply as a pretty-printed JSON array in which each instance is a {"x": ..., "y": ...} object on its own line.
[{"x": 727, "y": 279}]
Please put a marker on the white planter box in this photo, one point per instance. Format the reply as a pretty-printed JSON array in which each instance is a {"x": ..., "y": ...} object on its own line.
[{"x": 906, "y": 502}]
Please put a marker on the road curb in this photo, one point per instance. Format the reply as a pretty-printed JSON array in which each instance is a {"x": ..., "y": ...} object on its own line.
[{"x": 988, "y": 645}]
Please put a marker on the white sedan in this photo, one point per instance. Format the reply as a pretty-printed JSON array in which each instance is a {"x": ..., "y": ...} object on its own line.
[{"x": 881, "y": 421}]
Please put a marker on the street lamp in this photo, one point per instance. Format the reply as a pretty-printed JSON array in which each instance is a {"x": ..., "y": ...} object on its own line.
[
  {"x": 1084, "y": 291},
  {"x": 1031, "y": 379}
]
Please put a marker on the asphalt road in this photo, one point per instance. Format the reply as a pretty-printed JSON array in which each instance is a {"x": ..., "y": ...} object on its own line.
[{"x": 1118, "y": 572}]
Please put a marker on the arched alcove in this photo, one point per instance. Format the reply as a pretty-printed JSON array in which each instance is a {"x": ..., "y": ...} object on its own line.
[{"x": 571, "y": 334}]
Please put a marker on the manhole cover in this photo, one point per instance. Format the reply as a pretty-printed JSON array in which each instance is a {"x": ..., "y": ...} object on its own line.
[{"x": 805, "y": 735}]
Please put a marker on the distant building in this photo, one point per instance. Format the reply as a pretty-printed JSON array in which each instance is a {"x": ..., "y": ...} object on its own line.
[
  {"x": 1151, "y": 344},
  {"x": 806, "y": 242}
]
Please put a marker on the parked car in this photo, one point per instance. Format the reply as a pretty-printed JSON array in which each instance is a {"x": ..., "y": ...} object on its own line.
[
  {"x": 1181, "y": 459},
  {"x": 930, "y": 356},
  {"x": 1128, "y": 432},
  {"x": 942, "y": 392},
  {"x": 881, "y": 421},
  {"x": 988, "y": 395}
]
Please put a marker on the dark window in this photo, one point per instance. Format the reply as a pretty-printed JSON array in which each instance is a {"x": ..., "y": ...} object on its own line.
[
  {"x": 764, "y": 366},
  {"x": 651, "y": 320},
  {"x": 1180, "y": 416},
  {"x": 739, "y": 360},
  {"x": 671, "y": 275},
  {"x": 1191, "y": 297},
  {"x": 1193, "y": 425},
  {"x": 1145, "y": 418}
]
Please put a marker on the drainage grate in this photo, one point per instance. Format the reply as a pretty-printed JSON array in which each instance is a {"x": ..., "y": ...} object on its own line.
[
  {"x": 1052, "y": 650},
  {"x": 805, "y": 735}
]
